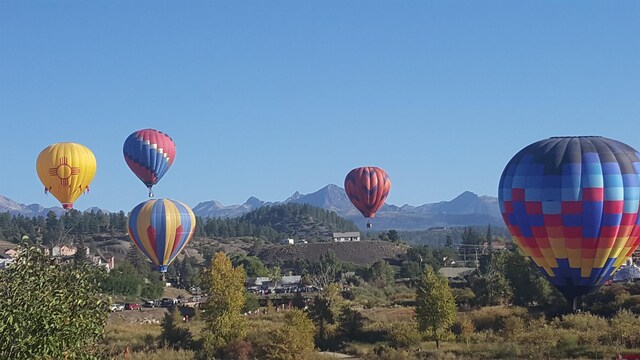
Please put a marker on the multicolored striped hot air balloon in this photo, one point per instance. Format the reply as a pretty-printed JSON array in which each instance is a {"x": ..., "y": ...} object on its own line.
[
  {"x": 66, "y": 170},
  {"x": 149, "y": 153},
  {"x": 161, "y": 229},
  {"x": 571, "y": 204},
  {"x": 367, "y": 188}
]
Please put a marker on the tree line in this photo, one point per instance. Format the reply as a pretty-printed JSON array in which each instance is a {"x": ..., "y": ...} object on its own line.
[{"x": 271, "y": 223}]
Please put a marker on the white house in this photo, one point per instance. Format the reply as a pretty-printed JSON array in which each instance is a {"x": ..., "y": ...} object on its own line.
[
  {"x": 346, "y": 236},
  {"x": 108, "y": 262},
  {"x": 287, "y": 241}
]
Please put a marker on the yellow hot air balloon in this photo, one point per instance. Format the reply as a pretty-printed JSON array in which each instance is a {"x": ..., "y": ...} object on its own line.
[{"x": 66, "y": 170}]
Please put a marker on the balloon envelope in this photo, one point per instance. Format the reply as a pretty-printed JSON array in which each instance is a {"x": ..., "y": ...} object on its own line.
[
  {"x": 66, "y": 170},
  {"x": 161, "y": 228},
  {"x": 571, "y": 204},
  {"x": 367, "y": 188},
  {"x": 149, "y": 153}
]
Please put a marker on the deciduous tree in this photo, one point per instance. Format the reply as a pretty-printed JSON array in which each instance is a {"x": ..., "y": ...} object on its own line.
[
  {"x": 435, "y": 305},
  {"x": 49, "y": 310},
  {"x": 223, "y": 319}
]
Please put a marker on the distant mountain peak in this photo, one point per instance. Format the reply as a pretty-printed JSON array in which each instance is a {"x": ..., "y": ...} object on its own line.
[
  {"x": 296, "y": 195},
  {"x": 254, "y": 202}
]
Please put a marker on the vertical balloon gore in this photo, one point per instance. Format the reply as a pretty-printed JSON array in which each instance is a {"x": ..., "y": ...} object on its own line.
[
  {"x": 161, "y": 228},
  {"x": 571, "y": 204},
  {"x": 367, "y": 188}
]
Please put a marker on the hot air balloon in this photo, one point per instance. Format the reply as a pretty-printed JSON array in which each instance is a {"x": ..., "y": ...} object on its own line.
[
  {"x": 571, "y": 205},
  {"x": 149, "y": 153},
  {"x": 66, "y": 170},
  {"x": 367, "y": 188},
  {"x": 161, "y": 228}
]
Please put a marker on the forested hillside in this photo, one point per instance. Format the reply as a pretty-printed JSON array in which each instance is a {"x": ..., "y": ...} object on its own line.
[{"x": 270, "y": 223}]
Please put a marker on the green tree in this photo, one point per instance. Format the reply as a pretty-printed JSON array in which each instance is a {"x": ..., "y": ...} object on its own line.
[
  {"x": 435, "y": 305},
  {"x": 528, "y": 285},
  {"x": 224, "y": 321},
  {"x": 326, "y": 270},
  {"x": 491, "y": 289},
  {"x": 252, "y": 265},
  {"x": 293, "y": 340},
  {"x": 449, "y": 241},
  {"x": 380, "y": 273},
  {"x": 81, "y": 253},
  {"x": 393, "y": 236},
  {"x": 350, "y": 323},
  {"x": 173, "y": 334},
  {"x": 321, "y": 314},
  {"x": 49, "y": 310},
  {"x": 138, "y": 260}
]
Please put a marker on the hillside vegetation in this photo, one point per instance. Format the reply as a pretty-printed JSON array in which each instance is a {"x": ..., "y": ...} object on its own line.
[{"x": 359, "y": 252}]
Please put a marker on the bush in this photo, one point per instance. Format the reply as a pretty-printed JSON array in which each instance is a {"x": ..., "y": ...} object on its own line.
[
  {"x": 291, "y": 341},
  {"x": 404, "y": 335},
  {"x": 493, "y": 317},
  {"x": 239, "y": 350},
  {"x": 387, "y": 353}
]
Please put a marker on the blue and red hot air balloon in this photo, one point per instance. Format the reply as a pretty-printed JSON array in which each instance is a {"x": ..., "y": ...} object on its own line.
[
  {"x": 161, "y": 229},
  {"x": 367, "y": 188},
  {"x": 571, "y": 204},
  {"x": 149, "y": 153}
]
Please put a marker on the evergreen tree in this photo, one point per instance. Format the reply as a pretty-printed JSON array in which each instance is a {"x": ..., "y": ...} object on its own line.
[
  {"x": 489, "y": 238},
  {"x": 81, "y": 253},
  {"x": 449, "y": 242},
  {"x": 173, "y": 334},
  {"x": 138, "y": 260},
  {"x": 435, "y": 304}
]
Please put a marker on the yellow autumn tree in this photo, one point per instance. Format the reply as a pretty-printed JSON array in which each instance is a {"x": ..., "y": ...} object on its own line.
[{"x": 224, "y": 322}]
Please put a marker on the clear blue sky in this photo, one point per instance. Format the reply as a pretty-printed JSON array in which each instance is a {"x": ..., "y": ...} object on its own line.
[{"x": 265, "y": 98}]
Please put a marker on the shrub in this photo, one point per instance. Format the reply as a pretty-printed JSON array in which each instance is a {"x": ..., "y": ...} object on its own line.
[
  {"x": 493, "y": 317},
  {"x": 291, "y": 341},
  {"x": 239, "y": 350},
  {"x": 387, "y": 353},
  {"x": 404, "y": 335}
]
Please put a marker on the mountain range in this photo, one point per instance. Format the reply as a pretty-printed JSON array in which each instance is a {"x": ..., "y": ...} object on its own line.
[{"x": 467, "y": 209}]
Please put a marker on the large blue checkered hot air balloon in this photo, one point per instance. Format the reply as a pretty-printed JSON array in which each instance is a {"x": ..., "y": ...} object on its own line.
[
  {"x": 161, "y": 229},
  {"x": 571, "y": 204}
]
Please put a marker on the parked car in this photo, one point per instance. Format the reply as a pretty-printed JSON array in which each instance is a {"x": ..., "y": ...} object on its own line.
[
  {"x": 131, "y": 306},
  {"x": 116, "y": 307},
  {"x": 169, "y": 302},
  {"x": 150, "y": 304}
]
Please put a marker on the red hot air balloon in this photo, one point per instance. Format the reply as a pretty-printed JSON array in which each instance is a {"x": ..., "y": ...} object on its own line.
[{"x": 367, "y": 187}]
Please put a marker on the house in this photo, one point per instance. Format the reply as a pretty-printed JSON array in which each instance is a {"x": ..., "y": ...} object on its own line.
[
  {"x": 346, "y": 236},
  {"x": 266, "y": 283},
  {"x": 65, "y": 250},
  {"x": 11, "y": 253},
  {"x": 45, "y": 250},
  {"x": 287, "y": 242},
  {"x": 108, "y": 262}
]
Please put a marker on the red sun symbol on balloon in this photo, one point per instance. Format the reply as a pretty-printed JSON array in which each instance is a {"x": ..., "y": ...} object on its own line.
[{"x": 64, "y": 171}]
